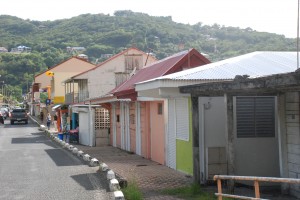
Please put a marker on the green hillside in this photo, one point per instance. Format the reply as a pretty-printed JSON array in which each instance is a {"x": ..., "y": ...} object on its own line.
[{"x": 104, "y": 34}]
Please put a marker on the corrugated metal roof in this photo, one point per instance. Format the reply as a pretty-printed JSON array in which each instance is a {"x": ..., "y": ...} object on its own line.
[
  {"x": 254, "y": 64},
  {"x": 153, "y": 70}
]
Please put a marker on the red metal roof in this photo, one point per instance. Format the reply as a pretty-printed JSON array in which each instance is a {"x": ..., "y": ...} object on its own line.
[{"x": 177, "y": 62}]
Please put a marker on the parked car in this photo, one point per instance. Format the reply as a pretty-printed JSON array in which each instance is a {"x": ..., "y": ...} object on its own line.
[{"x": 19, "y": 115}]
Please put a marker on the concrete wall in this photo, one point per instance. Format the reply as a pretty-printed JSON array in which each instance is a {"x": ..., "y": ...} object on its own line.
[{"x": 293, "y": 138}]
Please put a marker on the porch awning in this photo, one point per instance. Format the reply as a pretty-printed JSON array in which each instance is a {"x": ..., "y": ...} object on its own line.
[{"x": 55, "y": 107}]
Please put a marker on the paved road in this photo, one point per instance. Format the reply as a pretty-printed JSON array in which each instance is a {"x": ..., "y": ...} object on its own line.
[{"x": 34, "y": 167}]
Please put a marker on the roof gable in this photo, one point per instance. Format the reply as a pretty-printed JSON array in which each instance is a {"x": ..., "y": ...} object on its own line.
[
  {"x": 110, "y": 59},
  {"x": 61, "y": 63},
  {"x": 171, "y": 64}
]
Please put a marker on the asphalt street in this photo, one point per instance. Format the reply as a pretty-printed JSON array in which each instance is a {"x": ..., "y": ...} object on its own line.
[{"x": 34, "y": 167}]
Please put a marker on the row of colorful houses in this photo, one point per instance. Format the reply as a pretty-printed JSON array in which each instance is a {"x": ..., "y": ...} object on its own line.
[{"x": 239, "y": 116}]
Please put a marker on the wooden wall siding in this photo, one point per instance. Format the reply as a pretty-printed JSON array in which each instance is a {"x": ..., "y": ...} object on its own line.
[{"x": 293, "y": 138}]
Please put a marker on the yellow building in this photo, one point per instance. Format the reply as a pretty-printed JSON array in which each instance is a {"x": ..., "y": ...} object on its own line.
[{"x": 53, "y": 78}]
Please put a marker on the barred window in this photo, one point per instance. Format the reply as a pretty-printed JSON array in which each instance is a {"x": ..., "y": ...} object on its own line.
[{"x": 101, "y": 118}]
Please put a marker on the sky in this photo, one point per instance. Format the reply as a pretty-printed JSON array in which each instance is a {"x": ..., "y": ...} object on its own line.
[{"x": 273, "y": 16}]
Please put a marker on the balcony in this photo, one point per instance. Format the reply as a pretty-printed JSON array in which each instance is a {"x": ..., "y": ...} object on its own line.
[
  {"x": 71, "y": 98},
  {"x": 76, "y": 97}
]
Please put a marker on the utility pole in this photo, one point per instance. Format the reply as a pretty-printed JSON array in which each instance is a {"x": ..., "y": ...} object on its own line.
[{"x": 298, "y": 37}]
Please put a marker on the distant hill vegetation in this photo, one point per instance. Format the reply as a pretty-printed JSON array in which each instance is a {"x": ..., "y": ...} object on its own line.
[{"x": 101, "y": 34}]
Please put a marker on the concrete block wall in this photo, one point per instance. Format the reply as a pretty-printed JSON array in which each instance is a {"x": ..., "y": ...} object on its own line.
[{"x": 293, "y": 138}]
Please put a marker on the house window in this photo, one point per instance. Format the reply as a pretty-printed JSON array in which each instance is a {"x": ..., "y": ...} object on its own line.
[
  {"x": 101, "y": 118},
  {"x": 255, "y": 117},
  {"x": 160, "y": 108},
  {"x": 133, "y": 61},
  {"x": 118, "y": 118}
]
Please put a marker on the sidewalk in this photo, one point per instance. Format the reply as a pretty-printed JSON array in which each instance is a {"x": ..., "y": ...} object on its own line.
[{"x": 150, "y": 176}]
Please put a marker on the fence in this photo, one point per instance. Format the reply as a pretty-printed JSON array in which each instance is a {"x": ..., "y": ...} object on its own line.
[{"x": 256, "y": 180}]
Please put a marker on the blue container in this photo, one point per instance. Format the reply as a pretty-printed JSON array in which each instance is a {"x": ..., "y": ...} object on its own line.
[{"x": 60, "y": 136}]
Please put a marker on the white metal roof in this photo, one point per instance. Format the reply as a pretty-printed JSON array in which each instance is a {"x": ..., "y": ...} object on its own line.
[{"x": 253, "y": 64}]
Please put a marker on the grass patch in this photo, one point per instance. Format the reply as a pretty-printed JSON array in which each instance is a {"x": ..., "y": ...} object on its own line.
[
  {"x": 192, "y": 192},
  {"x": 132, "y": 191}
]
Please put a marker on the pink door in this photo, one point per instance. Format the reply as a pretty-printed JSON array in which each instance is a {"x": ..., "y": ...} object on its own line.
[{"x": 157, "y": 132}]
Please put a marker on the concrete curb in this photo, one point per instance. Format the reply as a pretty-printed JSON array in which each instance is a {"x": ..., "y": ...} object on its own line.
[{"x": 114, "y": 181}]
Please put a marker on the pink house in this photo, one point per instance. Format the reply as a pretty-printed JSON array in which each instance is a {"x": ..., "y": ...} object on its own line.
[{"x": 138, "y": 123}]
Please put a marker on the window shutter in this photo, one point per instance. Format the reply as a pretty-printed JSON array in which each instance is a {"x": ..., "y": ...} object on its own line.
[
  {"x": 245, "y": 116},
  {"x": 182, "y": 119},
  {"x": 265, "y": 117},
  {"x": 255, "y": 116}
]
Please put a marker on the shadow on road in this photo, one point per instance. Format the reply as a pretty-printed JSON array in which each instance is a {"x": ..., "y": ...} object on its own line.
[
  {"x": 33, "y": 140},
  {"x": 92, "y": 181},
  {"x": 61, "y": 158},
  {"x": 19, "y": 125}
]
